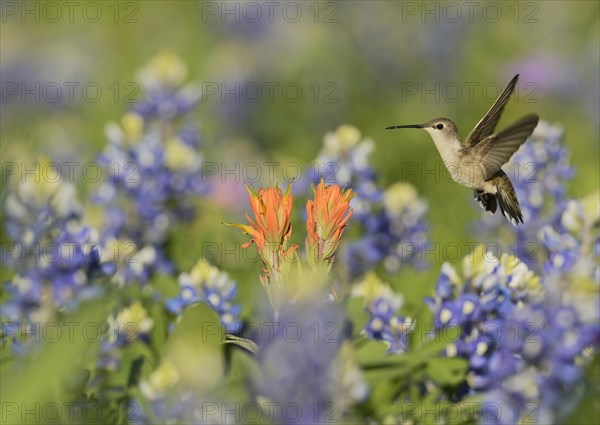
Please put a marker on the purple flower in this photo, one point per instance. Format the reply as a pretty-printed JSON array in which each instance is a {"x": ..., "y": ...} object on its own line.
[
  {"x": 382, "y": 305},
  {"x": 305, "y": 362},
  {"x": 153, "y": 165},
  {"x": 206, "y": 283},
  {"x": 55, "y": 258},
  {"x": 478, "y": 304}
]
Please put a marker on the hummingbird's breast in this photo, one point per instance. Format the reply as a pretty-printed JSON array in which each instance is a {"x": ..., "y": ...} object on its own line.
[
  {"x": 467, "y": 171},
  {"x": 464, "y": 169}
]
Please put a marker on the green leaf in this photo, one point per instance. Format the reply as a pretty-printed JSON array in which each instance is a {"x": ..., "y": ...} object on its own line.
[
  {"x": 37, "y": 379},
  {"x": 76, "y": 381},
  {"x": 589, "y": 406},
  {"x": 195, "y": 348},
  {"x": 165, "y": 284},
  {"x": 355, "y": 311},
  {"x": 244, "y": 343},
  {"x": 439, "y": 342},
  {"x": 447, "y": 370},
  {"x": 423, "y": 328},
  {"x": 373, "y": 354},
  {"x": 243, "y": 368},
  {"x": 381, "y": 395},
  {"x": 242, "y": 365},
  {"x": 134, "y": 356},
  {"x": 158, "y": 336},
  {"x": 135, "y": 371},
  {"x": 370, "y": 352}
]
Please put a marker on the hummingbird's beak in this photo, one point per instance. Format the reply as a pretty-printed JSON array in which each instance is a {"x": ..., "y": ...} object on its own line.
[{"x": 405, "y": 126}]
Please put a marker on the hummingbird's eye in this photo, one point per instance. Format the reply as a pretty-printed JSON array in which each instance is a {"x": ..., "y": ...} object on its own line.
[{"x": 439, "y": 126}]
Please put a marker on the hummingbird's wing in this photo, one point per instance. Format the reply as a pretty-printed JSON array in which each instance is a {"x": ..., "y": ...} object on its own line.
[
  {"x": 486, "y": 126},
  {"x": 495, "y": 151}
]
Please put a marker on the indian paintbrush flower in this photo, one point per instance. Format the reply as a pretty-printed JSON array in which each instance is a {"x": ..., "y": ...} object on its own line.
[
  {"x": 271, "y": 230},
  {"x": 328, "y": 216}
]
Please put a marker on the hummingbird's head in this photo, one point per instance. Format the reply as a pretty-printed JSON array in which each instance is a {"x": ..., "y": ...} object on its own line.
[{"x": 440, "y": 129}]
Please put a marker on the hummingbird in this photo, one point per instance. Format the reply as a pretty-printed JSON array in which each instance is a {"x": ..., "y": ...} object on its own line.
[{"x": 476, "y": 162}]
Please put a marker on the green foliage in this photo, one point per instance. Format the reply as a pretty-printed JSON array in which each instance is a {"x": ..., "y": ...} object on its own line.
[
  {"x": 55, "y": 375},
  {"x": 398, "y": 381},
  {"x": 195, "y": 348}
]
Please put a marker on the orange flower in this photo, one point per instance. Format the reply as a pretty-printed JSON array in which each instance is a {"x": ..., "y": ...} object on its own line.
[
  {"x": 270, "y": 229},
  {"x": 328, "y": 216}
]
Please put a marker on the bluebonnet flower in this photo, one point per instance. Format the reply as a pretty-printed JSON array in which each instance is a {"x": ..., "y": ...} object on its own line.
[
  {"x": 131, "y": 325},
  {"x": 53, "y": 255},
  {"x": 162, "y": 79},
  {"x": 393, "y": 220},
  {"x": 164, "y": 377},
  {"x": 165, "y": 401},
  {"x": 382, "y": 304},
  {"x": 154, "y": 178},
  {"x": 539, "y": 171},
  {"x": 394, "y": 234},
  {"x": 129, "y": 263},
  {"x": 38, "y": 203},
  {"x": 478, "y": 303},
  {"x": 572, "y": 268},
  {"x": 524, "y": 348},
  {"x": 166, "y": 397},
  {"x": 538, "y": 363},
  {"x": 305, "y": 360},
  {"x": 153, "y": 164},
  {"x": 206, "y": 283}
]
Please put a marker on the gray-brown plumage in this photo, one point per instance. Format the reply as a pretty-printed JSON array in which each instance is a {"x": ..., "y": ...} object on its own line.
[{"x": 476, "y": 162}]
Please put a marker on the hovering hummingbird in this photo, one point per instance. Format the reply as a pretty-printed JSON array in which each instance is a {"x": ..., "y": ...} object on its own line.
[{"x": 476, "y": 162}]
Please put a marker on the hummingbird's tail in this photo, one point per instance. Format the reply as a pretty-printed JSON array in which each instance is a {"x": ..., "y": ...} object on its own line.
[
  {"x": 509, "y": 204},
  {"x": 505, "y": 197}
]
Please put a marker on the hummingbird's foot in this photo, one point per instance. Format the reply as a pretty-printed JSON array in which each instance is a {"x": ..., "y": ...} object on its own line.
[{"x": 487, "y": 201}]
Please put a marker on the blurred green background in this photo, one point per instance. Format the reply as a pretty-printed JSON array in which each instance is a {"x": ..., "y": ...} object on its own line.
[{"x": 369, "y": 64}]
